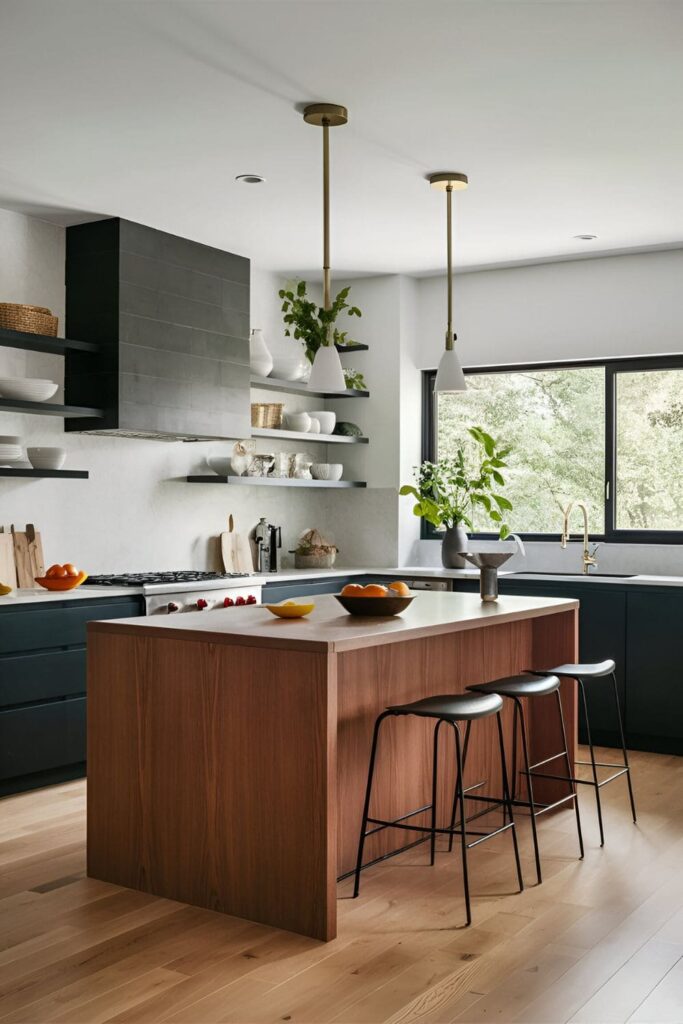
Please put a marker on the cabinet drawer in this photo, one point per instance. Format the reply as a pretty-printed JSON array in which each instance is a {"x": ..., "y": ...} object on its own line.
[
  {"x": 36, "y": 739},
  {"x": 28, "y": 678},
  {"x": 58, "y": 625}
]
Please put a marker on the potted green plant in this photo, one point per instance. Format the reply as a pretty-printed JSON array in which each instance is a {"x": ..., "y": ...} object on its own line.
[
  {"x": 448, "y": 491},
  {"x": 313, "y": 324}
]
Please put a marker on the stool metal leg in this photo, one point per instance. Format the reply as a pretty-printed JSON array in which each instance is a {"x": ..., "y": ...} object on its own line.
[
  {"x": 596, "y": 783},
  {"x": 366, "y": 806},
  {"x": 569, "y": 774},
  {"x": 435, "y": 764},
  {"x": 508, "y": 802},
  {"x": 530, "y": 786},
  {"x": 623, "y": 746},
  {"x": 463, "y": 835},
  {"x": 455, "y": 788}
]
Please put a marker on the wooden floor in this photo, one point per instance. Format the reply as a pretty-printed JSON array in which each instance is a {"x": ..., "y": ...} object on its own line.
[{"x": 601, "y": 940}]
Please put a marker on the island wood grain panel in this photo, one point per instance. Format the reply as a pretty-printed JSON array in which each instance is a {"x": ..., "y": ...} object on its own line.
[
  {"x": 211, "y": 777},
  {"x": 233, "y": 778}
]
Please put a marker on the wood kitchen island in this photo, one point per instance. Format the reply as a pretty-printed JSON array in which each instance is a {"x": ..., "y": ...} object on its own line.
[{"x": 228, "y": 750}]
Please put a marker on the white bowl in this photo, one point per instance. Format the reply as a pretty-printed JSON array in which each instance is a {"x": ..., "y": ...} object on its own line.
[
  {"x": 46, "y": 458},
  {"x": 27, "y": 389},
  {"x": 315, "y": 426},
  {"x": 289, "y": 365},
  {"x": 219, "y": 464},
  {"x": 299, "y": 421},
  {"x": 327, "y": 470},
  {"x": 326, "y": 420},
  {"x": 10, "y": 453}
]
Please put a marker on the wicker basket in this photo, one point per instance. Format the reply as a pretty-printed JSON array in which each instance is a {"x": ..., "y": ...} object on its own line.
[
  {"x": 267, "y": 415},
  {"x": 29, "y": 319}
]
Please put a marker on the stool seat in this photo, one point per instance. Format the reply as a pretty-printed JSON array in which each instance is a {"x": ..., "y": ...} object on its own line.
[
  {"x": 588, "y": 671},
  {"x": 519, "y": 686},
  {"x": 451, "y": 707}
]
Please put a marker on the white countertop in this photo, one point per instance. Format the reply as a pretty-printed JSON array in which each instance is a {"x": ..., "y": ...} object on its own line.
[
  {"x": 330, "y": 628},
  {"x": 37, "y": 595}
]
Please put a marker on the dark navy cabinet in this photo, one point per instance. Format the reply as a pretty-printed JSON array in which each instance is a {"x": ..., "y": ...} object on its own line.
[
  {"x": 43, "y": 688},
  {"x": 276, "y": 591}
]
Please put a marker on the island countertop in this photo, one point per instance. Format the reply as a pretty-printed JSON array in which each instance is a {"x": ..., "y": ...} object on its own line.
[{"x": 330, "y": 629}]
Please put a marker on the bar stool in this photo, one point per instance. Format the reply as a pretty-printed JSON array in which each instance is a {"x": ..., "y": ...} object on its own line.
[
  {"x": 532, "y": 686},
  {"x": 598, "y": 670},
  {"x": 450, "y": 710}
]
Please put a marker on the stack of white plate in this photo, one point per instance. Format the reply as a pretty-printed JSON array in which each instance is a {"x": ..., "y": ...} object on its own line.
[
  {"x": 27, "y": 389},
  {"x": 10, "y": 451}
]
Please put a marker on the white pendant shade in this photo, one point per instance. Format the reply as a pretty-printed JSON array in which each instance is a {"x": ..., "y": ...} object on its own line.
[
  {"x": 449, "y": 376},
  {"x": 327, "y": 373}
]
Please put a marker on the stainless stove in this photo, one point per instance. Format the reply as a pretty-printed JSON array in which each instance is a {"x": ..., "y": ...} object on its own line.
[{"x": 186, "y": 590}]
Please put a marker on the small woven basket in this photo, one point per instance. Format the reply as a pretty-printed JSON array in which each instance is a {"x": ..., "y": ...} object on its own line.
[
  {"x": 267, "y": 415},
  {"x": 29, "y": 319}
]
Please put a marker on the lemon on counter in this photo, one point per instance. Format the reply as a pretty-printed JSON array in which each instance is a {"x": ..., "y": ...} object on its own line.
[
  {"x": 290, "y": 609},
  {"x": 4, "y": 589}
]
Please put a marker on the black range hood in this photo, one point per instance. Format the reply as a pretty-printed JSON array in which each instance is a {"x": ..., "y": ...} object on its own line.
[{"x": 172, "y": 319}]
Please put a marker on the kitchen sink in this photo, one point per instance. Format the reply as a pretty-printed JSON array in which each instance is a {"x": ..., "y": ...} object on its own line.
[{"x": 578, "y": 575}]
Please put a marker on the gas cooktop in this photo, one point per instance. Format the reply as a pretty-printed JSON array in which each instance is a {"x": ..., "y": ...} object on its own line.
[{"x": 141, "y": 579}]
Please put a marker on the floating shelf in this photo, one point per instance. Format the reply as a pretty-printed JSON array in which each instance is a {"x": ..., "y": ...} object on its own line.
[
  {"x": 272, "y": 481},
  {"x": 47, "y": 408},
  {"x": 297, "y": 387},
  {"x": 69, "y": 474},
  {"x": 300, "y": 435},
  {"x": 43, "y": 343},
  {"x": 355, "y": 347}
]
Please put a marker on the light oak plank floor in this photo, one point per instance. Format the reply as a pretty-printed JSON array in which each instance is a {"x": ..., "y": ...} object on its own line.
[{"x": 600, "y": 941}]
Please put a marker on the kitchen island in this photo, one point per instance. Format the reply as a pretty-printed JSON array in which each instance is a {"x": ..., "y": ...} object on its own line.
[{"x": 228, "y": 751}]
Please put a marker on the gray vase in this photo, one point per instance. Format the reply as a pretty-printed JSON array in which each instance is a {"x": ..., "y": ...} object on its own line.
[{"x": 453, "y": 547}]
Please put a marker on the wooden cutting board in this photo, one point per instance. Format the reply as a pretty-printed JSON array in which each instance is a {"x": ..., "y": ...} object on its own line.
[
  {"x": 236, "y": 550},
  {"x": 8, "y": 569},
  {"x": 28, "y": 556}
]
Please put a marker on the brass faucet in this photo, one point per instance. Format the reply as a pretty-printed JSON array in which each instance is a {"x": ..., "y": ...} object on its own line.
[{"x": 587, "y": 557}]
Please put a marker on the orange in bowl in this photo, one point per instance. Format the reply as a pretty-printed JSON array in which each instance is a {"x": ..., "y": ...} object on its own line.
[
  {"x": 400, "y": 588},
  {"x": 352, "y": 590},
  {"x": 373, "y": 590},
  {"x": 61, "y": 580}
]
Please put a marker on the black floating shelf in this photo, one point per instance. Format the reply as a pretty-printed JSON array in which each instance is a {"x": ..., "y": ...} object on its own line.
[
  {"x": 355, "y": 347},
  {"x": 34, "y": 474},
  {"x": 43, "y": 343},
  {"x": 297, "y": 387},
  {"x": 272, "y": 481},
  {"x": 47, "y": 409}
]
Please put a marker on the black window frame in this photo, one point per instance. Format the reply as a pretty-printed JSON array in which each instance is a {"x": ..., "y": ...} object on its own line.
[{"x": 612, "y": 367}]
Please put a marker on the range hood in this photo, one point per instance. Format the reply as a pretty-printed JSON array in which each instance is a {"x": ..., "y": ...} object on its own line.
[{"x": 171, "y": 317}]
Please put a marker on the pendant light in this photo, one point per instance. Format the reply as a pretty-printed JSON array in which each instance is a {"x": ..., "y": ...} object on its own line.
[
  {"x": 449, "y": 376},
  {"x": 327, "y": 373}
]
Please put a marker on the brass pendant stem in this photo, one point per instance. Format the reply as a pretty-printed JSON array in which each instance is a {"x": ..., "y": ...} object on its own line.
[
  {"x": 326, "y": 214},
  {"x": 449, "y": 260}
]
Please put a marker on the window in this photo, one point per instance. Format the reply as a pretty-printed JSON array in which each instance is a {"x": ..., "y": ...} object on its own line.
[{"x": 608, "y": 433}]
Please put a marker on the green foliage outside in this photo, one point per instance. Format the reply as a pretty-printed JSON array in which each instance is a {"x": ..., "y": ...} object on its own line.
[
  {"x": 449, "y": 492},
  {"x": 554, "y": 422}
]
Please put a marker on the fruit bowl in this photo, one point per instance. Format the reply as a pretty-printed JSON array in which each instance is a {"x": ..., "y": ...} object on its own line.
[
  {"x": 290, "y": 609},
  {"x": 374, "y": 606},
  {"x": 62, "y": 582}
]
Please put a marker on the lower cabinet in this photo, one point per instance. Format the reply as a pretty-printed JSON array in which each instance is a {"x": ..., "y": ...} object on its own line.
[
  {"x": 275, "y": 592},
  {"x": 43, "y": 688},
  {"x": 654, "y": 671}
]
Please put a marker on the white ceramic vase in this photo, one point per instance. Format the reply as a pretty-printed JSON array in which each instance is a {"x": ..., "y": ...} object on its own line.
[{"x": 260, "y": 359}]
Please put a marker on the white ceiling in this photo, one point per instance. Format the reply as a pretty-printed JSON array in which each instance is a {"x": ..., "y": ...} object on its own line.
[{"x": 566, "y": 116}]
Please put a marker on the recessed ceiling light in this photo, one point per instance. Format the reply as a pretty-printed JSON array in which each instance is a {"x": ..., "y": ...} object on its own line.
[
  {"x": 585, "y": 238},
  {"x": 250, "y": 179}
]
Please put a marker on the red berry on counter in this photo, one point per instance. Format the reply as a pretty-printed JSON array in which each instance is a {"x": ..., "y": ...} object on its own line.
[
  {"x": 202, "y": 604},
  {"x": 228, "y": 602},
  {"x": 240, "y": 600},
  {"x": 251, "y": 599}
]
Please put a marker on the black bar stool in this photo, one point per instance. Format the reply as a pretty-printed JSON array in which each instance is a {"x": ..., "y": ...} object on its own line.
[
  {"x": 531, "y": 686},
  {"x": 451, "y": 710},
  {"x": 598, "y": 670}
]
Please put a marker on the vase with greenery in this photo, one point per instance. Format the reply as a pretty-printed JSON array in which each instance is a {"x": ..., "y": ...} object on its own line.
[
  {"x": 313, "y": 324},
  {"x": 448, "y": 492}
]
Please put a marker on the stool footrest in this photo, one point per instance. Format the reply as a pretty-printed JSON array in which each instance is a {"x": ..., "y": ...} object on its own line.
[{"x": 581, "y": 782}]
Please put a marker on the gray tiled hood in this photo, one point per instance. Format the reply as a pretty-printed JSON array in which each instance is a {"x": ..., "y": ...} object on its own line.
[{"x": 172, "y": 319}]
